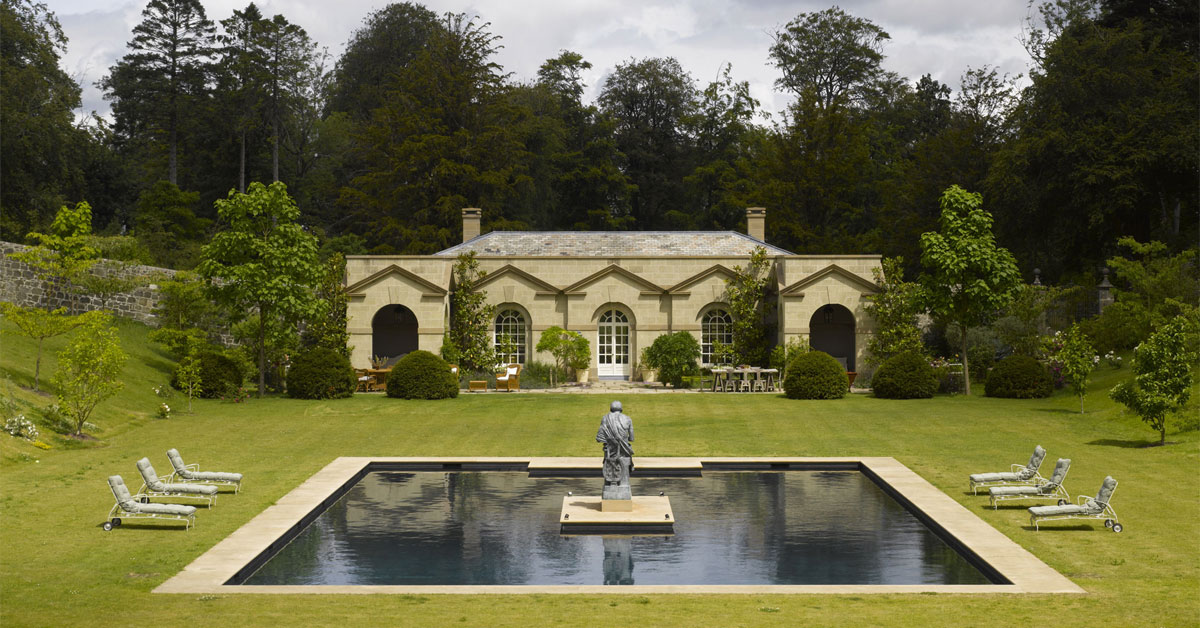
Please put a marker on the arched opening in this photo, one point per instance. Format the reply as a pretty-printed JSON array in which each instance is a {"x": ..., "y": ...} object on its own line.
[
  {"x": 831, "y": 330},
  {"x": 716, "y": 331},
  {"x": 613, "y": 331},
  {"x": 510, "y": 335},
  {"x": 393, "y": 332}
]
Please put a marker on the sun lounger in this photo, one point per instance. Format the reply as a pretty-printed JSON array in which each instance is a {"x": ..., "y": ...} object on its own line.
[
  {"x": 1019, "y": 474},
  {"x": 1098, "y": 507},
  {"x": 154, "y": 487},
  {"x": 190, "y": 473},
  {"x": 1052, "y": 489},
  {"x": 131, "y": 507}
]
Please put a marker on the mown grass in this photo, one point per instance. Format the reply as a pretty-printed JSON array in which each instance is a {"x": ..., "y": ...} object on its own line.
[{"x": 57, "y": 567}]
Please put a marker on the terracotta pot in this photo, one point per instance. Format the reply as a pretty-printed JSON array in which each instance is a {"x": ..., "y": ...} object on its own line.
[{"x": 851, "y": 375}]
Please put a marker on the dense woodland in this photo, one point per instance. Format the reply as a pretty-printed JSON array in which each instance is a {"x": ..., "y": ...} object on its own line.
[{"x": 383, "y": 146}]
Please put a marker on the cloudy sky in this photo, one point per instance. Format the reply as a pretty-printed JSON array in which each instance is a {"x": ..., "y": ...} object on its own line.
[{"x": 939, "y": 37}]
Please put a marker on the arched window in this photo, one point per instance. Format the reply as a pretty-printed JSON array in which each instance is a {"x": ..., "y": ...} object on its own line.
[
  {"x": 716, "y": 328},
  {"x": 510, "y": 337}
]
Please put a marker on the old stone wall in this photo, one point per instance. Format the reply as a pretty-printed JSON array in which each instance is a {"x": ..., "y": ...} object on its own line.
[{"x": 20, "y": 285}]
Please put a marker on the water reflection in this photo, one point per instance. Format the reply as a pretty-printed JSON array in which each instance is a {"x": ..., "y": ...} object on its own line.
[{"x": 793, "y": 527}]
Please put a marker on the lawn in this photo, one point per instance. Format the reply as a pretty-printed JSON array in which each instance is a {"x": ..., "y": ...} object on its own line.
[{"x": 57, "y": 566}]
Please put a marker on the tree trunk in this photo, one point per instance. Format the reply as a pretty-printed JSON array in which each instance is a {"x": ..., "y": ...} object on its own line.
[
  {"x": 275, "y": 148},
  {"x": 1080, "y": 404},
  {"x": 172, "y": 163},
  {"x": 262, "y": 352},
  {"x": 242, "y": 165},
  {"x": 37, "y": 366},
  {"x": 966, "y": 365}
]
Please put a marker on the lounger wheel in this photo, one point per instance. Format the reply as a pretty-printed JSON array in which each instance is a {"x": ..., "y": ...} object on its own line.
[
  {"x": 116, "y": 522},
  {"x": 145, "y": 500},
  {"x": 1117, "y": 527},
  {"x": 108, "y": 526},
  {"x": 1108, "y": 523},
  {"x": 1062, "y": 502}
]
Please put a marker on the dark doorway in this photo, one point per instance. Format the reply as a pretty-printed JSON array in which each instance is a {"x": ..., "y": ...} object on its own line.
[
  {"x": 831, "y": 330},
  {"x": 393, "y": 332}
]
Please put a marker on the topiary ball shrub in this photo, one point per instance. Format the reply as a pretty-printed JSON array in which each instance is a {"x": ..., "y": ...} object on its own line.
[
  {"x": 907, "y": 375},
  {"x": 219, "y": 375},
  {"x": 815, "y": 375},
  {"x": 320, "y": 373},
  {"x": 422, "y": 375},
  {"x": 1019, "y": 377}
]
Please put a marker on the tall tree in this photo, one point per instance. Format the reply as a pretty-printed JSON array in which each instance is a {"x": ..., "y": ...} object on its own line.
[
  {"x": 967, "y": 278},
  {"x": 830, "y": 57},
  {"x": 262, "y": 262},
  {"x": 650, "y": 100},
  {"x": 444, "y": 140},
  {"x": 36, "y": 98},
  {"x": 720, "y": 182},
  {"x": 289, "y": 54},
  {"x": 243, "y": 58},
  {"x": 156, "y": 85},
  {"x": 389, "y": 40}
]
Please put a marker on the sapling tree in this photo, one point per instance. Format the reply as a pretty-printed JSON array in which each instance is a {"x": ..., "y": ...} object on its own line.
[
  {"x": 89, "y": 369},
  {"x": 746, "y": 294},
  {"x": 471, "y": 316},
  {"x": 262, "y": 262},
  {"x": 39, "y": 325},
  {"x": 62, "y": 255},
  {"x": 1077, "y": 358},
  {"x": 967, "y": 278},
  {"x": 569, "y": 348},
  {"x": 1163, "y": 380},
  {"x": 188, "y": 377}
]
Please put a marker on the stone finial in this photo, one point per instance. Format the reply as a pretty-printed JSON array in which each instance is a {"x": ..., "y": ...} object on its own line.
[
  {"x": 471, "y": 217},
  {"x": 756, "y": 223},
  {"x": 1037, "y": 276},
  {"x": 1104, "y": 295}
]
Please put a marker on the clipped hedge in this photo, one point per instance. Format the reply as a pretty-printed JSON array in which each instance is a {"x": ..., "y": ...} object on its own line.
[
  {"x": 1019, "y": 377},
  {"x": 320, "y": 373},
  {"x": 906, "y": 375},
  {"x": 422, "y": 375},
  {"x": 815, "y": 375},
  {"x": 219, "y": 375}
]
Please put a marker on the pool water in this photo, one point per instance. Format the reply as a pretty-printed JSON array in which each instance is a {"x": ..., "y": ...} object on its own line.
[{"x": 501, "y": 528}]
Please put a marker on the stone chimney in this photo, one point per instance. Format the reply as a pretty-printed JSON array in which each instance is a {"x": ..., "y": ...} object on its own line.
[
  {"x": 756, "y": 223},
  {"x": 471, "y": 217}
]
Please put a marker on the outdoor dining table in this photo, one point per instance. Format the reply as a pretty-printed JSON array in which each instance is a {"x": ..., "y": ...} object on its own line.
[{"x": 744, "y": 373}]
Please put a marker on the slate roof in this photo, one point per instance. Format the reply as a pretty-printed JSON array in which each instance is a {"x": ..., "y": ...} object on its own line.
[{"x": 612, "y": 244}]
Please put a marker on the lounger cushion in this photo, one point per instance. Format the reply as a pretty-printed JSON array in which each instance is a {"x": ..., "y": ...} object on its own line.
[
  {"x": 997, "y": 491},
  {"x": 161, "y": 509},
  {"x": 211, "y": 476},
  {"x": 121, "y": 492},
  {"x": 995, "y": 477},
  {"x": 201, "y": 489},
  {"x": 1059, "y": 511}
]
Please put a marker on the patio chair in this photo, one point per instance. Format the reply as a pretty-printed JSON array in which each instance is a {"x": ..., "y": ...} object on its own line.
[
  {"x": 154, "y": 487},
  {"x": 1020, "y": 474},
  {"x": 366, "y": 381},
  {"x": 1098, "y": 507},
  {"x": 510, "y": 378},
  {"x": 191, "y": 473},
  {"x": 132, "y": 507},
  {"x": 1053, "y": 489}
]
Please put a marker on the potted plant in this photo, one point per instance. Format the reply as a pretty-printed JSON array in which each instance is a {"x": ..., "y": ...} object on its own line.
[
  {"x": 580, "y": 357},
  {"x": 649, "y": 373},
  {"x": 569, "y": 348}
]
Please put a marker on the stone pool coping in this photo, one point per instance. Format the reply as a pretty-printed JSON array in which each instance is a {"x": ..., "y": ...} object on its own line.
[{"x": 1024, "y": 571}]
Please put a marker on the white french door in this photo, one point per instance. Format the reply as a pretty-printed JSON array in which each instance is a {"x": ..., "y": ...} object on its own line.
[{"x": 612, "y": 345}]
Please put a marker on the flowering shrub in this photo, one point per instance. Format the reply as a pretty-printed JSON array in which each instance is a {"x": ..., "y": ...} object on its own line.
[
  {"x": 1113, "y": 359},
  {"x": 949, "y": 374},
  {"x": 164, "y": 411},
  {"x": 162, "y": 391},
  {"x": 21, "y": 427}
]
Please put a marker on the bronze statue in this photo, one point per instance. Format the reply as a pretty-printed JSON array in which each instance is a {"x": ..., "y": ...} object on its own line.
[{"x": 616, "y": 432}]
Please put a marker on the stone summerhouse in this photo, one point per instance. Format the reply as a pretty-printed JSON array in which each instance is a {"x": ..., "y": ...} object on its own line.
[{"x": 621, "y": 290}]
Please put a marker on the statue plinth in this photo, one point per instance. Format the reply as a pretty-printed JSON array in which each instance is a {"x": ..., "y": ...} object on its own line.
[
  {"x": 617, "y": 497},
  {"x": 589, "y": 515}
]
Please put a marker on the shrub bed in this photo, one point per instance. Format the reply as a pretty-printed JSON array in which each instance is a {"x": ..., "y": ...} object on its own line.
[
  {"x": 219, "y": 375},
  {"x": 320, "y": 373},
  {"x": 422, "y": 375},
  {"x": 1019, "y": 377},
  {"x": 815, "y": 375},
  {"x": 905, "y": 376}
]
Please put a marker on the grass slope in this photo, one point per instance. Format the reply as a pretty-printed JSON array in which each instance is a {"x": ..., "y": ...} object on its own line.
[{"x": 59, "y": 568}]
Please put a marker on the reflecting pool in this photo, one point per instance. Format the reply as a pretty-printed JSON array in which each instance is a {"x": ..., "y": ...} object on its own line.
[{"x": 501, "y": 528}]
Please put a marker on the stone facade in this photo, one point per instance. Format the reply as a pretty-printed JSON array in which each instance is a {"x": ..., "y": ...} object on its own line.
[
  {"x": 19, "y": 285},
  {"x": 658, "y": 282}
]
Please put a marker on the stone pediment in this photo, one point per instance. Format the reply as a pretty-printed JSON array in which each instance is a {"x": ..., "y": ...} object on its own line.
[
  {"x": 716, "y": 269},
  {"x": 831, "y": 271},
  {"x": 427, "y": 288},
  {"x": 541, "y": 287},
  {"x": 646, "y": 285}
]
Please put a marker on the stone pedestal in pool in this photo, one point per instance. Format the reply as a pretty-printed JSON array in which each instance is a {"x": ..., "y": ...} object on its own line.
[{"x": 646, "y": 515}]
